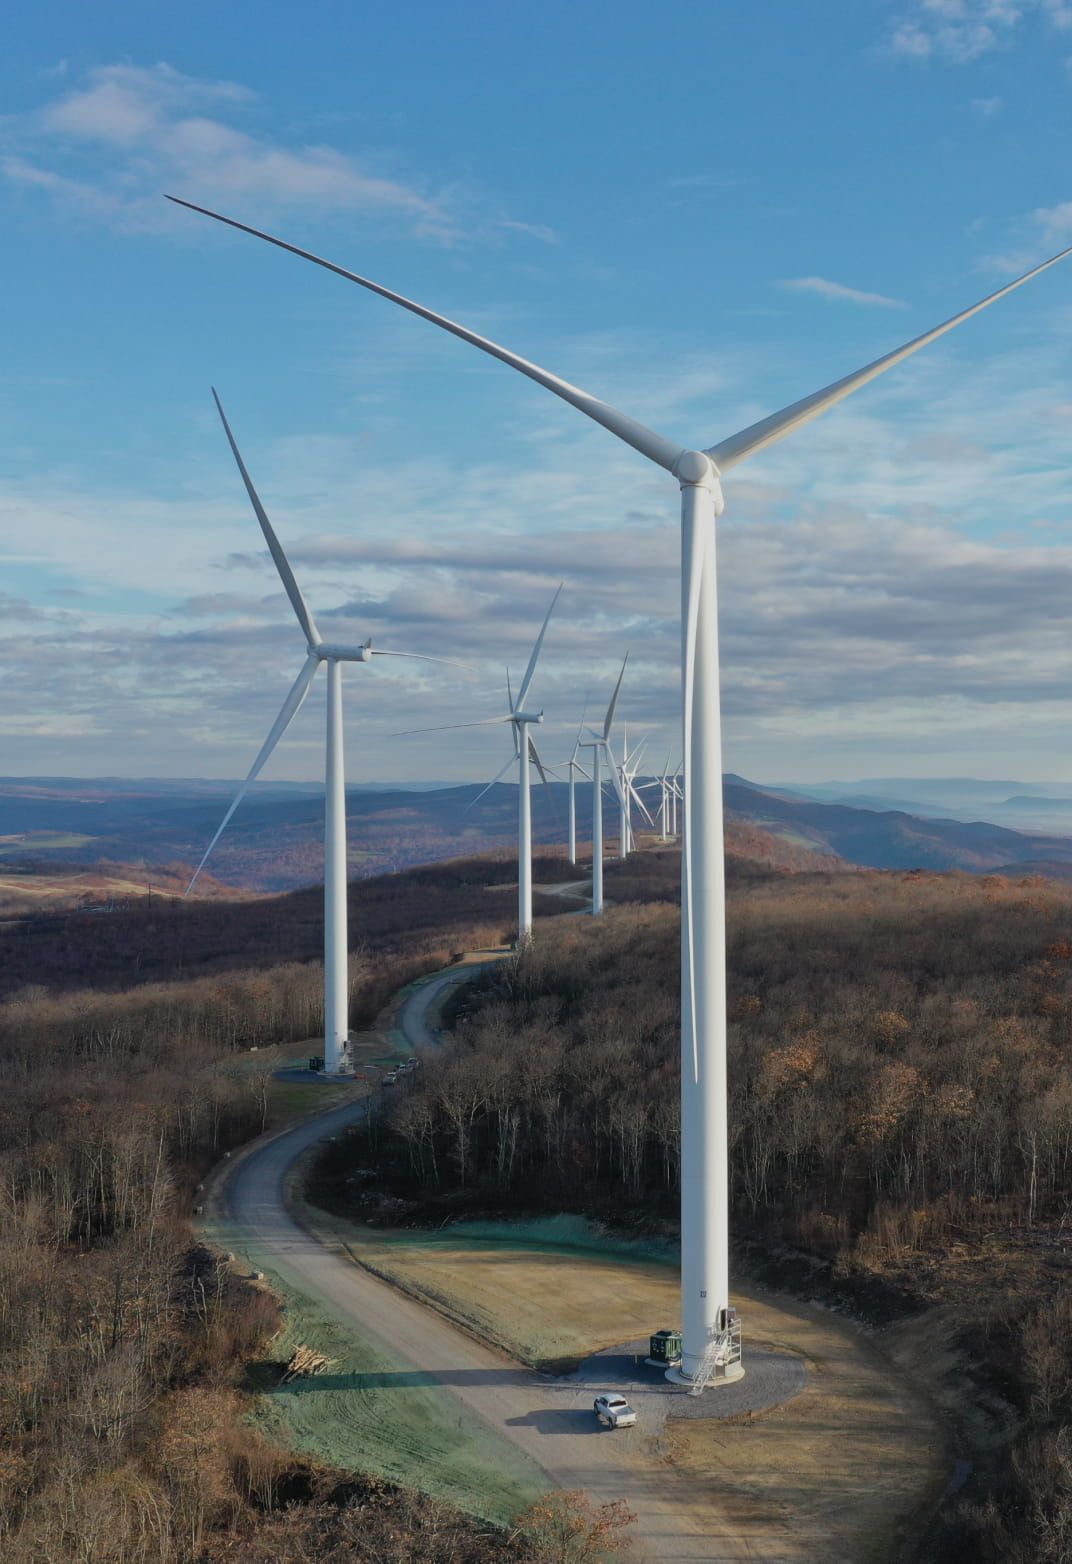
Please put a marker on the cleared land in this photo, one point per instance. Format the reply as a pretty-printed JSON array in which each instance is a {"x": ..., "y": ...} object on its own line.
[
  {"x": 847, "y": 1470},
  {"x": 842, "y": 1473}
]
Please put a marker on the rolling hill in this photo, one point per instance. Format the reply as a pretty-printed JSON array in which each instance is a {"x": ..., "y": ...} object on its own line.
[{"x": 133, "y": 832}]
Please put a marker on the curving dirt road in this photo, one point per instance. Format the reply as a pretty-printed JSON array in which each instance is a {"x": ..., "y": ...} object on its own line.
[{"x": 551, "y": 1423}]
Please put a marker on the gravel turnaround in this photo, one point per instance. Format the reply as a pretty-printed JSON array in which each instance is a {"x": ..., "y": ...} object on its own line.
[{"x": 770, "y": 1379}]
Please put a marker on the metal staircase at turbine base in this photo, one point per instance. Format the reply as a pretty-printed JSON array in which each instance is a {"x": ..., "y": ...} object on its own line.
[
  {"x": 721, "y": 1360},
  {"x": 721, "y": 1357}
]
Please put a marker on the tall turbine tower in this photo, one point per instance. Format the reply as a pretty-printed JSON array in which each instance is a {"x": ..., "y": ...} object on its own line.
[
  {"x": 575, "y": 770},
  {"x": 630, "y": 794},
  {"x": 521, "y": 722},
  {"x": 336, "y": 963},
  {"x": 705, "y": 1188},
  {"x": 599, "y": 744}
]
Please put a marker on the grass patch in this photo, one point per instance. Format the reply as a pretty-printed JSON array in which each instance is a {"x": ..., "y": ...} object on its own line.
[{"x": 374, "y": 1413}]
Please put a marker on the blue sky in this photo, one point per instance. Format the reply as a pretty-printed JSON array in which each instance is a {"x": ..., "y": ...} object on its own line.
[{"x": 700, "y": 215}]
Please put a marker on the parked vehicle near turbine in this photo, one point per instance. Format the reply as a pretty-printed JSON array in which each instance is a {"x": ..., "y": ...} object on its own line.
[
  {"x": 614, "y": 1411},
  {"x": 336, "y": 967},
  {"x": 698, "y": 472}
]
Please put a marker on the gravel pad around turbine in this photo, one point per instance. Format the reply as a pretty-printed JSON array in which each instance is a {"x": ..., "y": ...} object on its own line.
[{"x": 770, "y": 1379}]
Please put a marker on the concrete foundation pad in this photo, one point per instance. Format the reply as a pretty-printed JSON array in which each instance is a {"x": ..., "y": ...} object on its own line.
[
  {"x": 768, "y": 1379},
  {"x": 677, "y": 1376}
]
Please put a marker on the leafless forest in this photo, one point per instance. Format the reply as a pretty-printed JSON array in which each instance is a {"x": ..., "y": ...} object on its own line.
[
  {"x": 901, "y": 1111},
  {"x": 122, "y": 1343}
]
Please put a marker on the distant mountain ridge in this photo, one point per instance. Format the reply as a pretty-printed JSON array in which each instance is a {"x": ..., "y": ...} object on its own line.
[{"x": 274, "y": 841}]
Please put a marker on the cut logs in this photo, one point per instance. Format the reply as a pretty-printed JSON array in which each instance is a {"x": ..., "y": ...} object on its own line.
[{"x": 304, "y": 1361}]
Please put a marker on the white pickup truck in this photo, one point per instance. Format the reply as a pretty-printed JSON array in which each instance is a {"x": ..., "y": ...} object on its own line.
[{"x": 615, "y": 1411}]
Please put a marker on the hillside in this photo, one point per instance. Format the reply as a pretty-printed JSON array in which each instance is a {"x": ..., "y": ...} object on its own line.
[
  {"x": 136, "y": 830},
  {"x": 892, "y": 839}
]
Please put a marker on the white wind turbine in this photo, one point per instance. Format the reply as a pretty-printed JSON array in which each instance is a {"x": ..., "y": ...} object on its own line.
[
  {"x": 524, "y": 751},
  {"x": 628, "y": 794},
  {"x": 575, "y": 770},
  {"x": 705, "y": 1187},
  {"x": 599, "y": 744},
  {"x": 336, "y": 966},
  {"x": 663, "y": 784}
]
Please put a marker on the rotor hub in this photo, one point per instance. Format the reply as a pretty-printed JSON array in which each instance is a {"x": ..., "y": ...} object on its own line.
[{"x": 695, "y": 470}]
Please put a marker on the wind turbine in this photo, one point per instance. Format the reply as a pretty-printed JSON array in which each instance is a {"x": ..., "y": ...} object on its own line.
[
  {"x": 524, "y": 751},
  {"x": 629, "y": 794},
  {"x": 705, "y": 1188},
  {"x": 336, "y": 964},
  {"x": 575, "y": 770},
  {"x": 599, "y": 744},
  {"x": 663, "y": 784}
]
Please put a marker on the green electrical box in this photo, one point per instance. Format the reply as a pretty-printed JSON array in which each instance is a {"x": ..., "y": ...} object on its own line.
[{"x": 665, "y": 1347}]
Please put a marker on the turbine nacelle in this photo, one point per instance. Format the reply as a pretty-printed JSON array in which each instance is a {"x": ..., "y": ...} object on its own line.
[{"x": 329, "y": 651}]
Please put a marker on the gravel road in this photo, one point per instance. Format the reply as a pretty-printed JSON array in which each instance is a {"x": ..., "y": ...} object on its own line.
[{"x": 552, "y": 1423}]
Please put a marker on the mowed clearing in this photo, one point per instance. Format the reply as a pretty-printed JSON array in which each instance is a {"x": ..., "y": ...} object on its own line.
[{"x": 848, "y": 1470}]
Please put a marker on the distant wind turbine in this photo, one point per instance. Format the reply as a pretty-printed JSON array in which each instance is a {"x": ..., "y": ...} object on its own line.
[
  {"x": 629, "y": 794},
  {"x": 705, "y": 1186},
  {"x": 599, "y": 744},
  {"x": 336, "y": 965},
  {"x": 575, "y": 770},
  {"x": 520, "y": 721}
]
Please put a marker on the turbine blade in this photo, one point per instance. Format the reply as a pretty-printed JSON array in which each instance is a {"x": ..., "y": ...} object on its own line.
[
  {"x": 496, "y": 778},
  {"x": 288, "y": 711},
  {"x": 282, "y": 564},
  {"x": 531, "y": 669},
  {"x": 509, "y": 691},
  {"x": 445, "y": 662},
  {"x": 538, "y": 763},
  {"x": 757, "y": 436},
  {"x": 635, "y": 796},
  {"x": 691, "y": 620},
  {"x": 609, "y": 718},
  {"x": 654, "y": 446},
  {"x": 450, "y": 727},
  {"x": 615, "y": 779}
]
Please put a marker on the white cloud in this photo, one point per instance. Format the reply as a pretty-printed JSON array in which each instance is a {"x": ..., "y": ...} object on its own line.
[
  {"x": 854, "y": 610},
  {"x": 107, "y": 146},
  {"x": 840, "y": 293},
  {"x": 961, "y": 31}
]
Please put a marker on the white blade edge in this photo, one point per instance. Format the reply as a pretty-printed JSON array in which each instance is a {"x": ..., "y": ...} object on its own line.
[
  {"x": 615, "y": 779},
  {"x": 538, "y": 763},
  {"x": 451, "y": 727},
  {"x": 282, "y": 564},
  {"x": 692, "y": 620},
  {"x": 288, "y": 711},
  {"x": 496, "y": 778},
  {"x": 757, "y": 436},
  {"x": 609, "y": 718},
  {"x": 531, "y": 669},
  {"x": 655, "y": 447},
  {"x": 635, "y": 796},
  {"x": 420, "y": 657}
]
